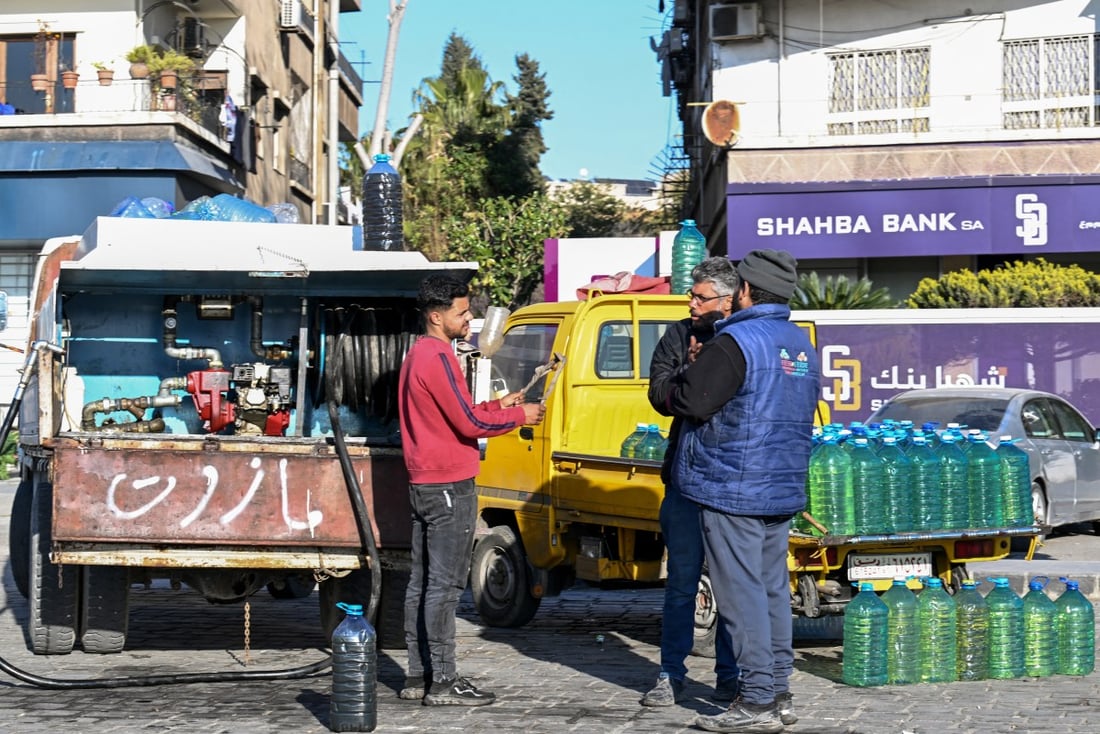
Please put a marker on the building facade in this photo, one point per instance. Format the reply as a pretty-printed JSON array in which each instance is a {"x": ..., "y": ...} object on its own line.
[
  {"x": 894, "y": 141},
  {"x": 260, "y": 114}
]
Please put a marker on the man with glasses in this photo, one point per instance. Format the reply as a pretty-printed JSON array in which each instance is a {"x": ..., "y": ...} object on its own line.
[
  {"x": 748, "y": 400},
  {"x": 709, "y": 300}
]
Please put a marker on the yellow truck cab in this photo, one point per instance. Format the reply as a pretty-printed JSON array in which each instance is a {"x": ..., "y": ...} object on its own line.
[{"x": 558, "y": 503}]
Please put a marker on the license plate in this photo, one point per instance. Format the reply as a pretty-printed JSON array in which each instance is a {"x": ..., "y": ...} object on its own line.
[{"x": 888, "y": 565}]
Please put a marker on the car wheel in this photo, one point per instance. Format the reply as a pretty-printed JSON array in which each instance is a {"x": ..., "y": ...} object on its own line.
[
  {"x": 1039, "y": 506},
  {"x": 706, "y": 619},
  {"x": 500, "y": 582}
]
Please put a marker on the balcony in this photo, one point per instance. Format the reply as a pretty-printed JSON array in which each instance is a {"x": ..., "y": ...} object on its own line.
[{"x": 90, "y": 101}]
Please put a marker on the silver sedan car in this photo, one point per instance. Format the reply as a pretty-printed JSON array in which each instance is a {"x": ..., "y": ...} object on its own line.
[{"x": 1063, "y": 447}]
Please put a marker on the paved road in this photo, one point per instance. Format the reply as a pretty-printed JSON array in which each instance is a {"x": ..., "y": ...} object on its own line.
[{"x": 552, "y": 676}]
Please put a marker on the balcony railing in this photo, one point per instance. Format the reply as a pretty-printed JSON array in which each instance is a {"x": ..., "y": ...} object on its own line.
[{"x": 127, "y": 95}]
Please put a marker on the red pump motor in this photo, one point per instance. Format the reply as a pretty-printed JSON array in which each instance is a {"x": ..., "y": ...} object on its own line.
[{"x": 209, "y": 390}]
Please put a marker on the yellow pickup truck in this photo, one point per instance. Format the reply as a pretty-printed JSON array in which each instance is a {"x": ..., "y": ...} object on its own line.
[{"x": 557, "y": 503}]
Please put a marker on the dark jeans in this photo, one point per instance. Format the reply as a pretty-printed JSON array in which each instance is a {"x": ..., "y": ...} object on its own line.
[
  {"x": 444, "y": 518},
  {"x": 747, "y": 557},
  {"x": 684, "y": 545}
]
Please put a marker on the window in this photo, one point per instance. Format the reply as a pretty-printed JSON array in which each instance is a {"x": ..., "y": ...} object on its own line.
[
  {"x": 525, "y": 347},
  {"x": 1050, "y": 82},
  {"x": 615, "y": 348},
  {"x": 16, "y": 274},
  {"x": 879, "y": 92},
  {"x": 1038, "y": 420},
  {"x": 21, "y": 56},
  {"x": 1074, "y": 427}
]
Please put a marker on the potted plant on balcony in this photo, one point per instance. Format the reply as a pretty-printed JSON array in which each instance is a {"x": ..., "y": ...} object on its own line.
[
  {"x": 69, "y": 77},
  {"x": 139, "y": 58},
  {"x": 168, "y": 66},
  {"x": 105, "y": 71}
]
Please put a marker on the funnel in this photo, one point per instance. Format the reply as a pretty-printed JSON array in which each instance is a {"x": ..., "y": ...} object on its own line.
[{"x": 491, "y": 335}]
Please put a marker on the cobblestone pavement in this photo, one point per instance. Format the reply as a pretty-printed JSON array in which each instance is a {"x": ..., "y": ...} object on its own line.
[{"x": 552, "y": 676}]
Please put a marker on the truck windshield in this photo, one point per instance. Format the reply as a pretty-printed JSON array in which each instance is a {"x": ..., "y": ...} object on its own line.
[{"x": 525, "y": 348}]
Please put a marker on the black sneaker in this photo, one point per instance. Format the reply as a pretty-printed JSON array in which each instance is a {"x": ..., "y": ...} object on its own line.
[
  {"x": 785, "y": 705},
  {"x": 414, "y": 689},
  {"x": 457, "y": 692},
  {"x": 744, "y": 717}
]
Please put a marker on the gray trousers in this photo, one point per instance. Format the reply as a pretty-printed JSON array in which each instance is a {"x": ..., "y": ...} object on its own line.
[
  {"x": 444, "y": 518},
  {"x": 747, "y": 557}
]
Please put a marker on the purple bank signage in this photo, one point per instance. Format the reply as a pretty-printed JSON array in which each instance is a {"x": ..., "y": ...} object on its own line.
[{"x": 995, "y": 215}]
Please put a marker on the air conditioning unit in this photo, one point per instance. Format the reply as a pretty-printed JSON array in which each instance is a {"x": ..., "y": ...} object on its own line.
[
  {"x": 293, "y": 16},
  {"x": 735, "y": 21}
]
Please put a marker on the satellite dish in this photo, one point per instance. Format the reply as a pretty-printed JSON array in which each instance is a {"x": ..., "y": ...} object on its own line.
[{"x": 722, "y": 123}]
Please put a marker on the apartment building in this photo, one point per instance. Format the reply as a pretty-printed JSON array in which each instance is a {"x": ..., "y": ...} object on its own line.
[
  {"x": 263, "y": 98},
  {"x": 892, "y": 140}
]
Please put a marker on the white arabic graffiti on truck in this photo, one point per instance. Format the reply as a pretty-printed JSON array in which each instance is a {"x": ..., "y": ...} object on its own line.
[{"x": 315, "y": 517}]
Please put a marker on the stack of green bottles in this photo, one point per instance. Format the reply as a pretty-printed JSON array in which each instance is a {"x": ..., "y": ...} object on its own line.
[{"x": 646, "y": 442}]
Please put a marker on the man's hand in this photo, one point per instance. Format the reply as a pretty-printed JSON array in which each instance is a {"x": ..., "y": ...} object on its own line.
[
  {"x": 511, "y": 400},
  {"x": 533, "y": 413},
  {"x": 694, "y": 345}
]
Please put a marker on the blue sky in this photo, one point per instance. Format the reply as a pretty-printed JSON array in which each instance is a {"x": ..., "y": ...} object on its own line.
[{"x": 609, "y": 116}]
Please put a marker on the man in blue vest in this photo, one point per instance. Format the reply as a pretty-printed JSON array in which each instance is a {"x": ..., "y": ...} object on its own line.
[{"x": 749, "y": 400}]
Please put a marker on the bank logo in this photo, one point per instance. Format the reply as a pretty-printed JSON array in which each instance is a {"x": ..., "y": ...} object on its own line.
[{"x": 1032, "y": 214}]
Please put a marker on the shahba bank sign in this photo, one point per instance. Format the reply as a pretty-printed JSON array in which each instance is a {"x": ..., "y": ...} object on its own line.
[{"x": 960, "y": 216}]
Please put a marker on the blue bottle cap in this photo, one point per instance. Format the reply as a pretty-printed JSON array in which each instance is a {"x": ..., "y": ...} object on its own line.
[{"x": 355, "y": 610}]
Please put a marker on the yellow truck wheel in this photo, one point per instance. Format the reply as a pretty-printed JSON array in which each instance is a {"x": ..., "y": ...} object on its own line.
[{"x": 500, "y": 581}]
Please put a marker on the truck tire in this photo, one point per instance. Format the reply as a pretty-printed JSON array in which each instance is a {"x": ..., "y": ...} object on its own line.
[
  {"x": 500, "y": 582},
  {"x": 706, "y": 619},
  {"x": 355, "y": 588},
  {"x": 19, "y": 536},
  {"x": 825, "y": 627},
  {"x": 53, "y": 590},
  {"x": 105, "y": 609}
]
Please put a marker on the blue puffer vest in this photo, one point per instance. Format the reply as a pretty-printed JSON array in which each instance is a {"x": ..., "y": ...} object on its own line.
[{"x": 752, "y": 456}]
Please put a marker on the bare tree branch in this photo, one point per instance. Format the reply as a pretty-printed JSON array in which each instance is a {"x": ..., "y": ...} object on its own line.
[
  {"x": 377, "y": 138},
  {"x": 410, "y": 133}
]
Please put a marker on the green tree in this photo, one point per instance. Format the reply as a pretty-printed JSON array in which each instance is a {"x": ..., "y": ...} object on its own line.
[
  {"x": 514, "y": 160},
  {"x": 591, "y": 210},
  {"x": 505, "y": 237},
  {"x": 1017, "y": 284},
  {"x": 838, "y": 292}
]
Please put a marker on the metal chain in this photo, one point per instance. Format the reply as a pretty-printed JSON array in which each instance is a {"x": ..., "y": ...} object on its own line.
[{"x": 247, "y": 632}]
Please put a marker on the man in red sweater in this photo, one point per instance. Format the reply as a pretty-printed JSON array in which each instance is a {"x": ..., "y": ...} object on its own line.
[{"x": 440, "y": 427}]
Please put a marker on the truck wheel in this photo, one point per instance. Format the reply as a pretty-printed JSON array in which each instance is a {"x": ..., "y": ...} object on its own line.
[
  {"x": 355, "y": 588},
  {"x": 500, "y": 582},
  {"x": 54, "y": 590},
  {"x": 825, "y": 627},
  {"x": 19, "y": 536},
  {"x": 706, "y": 619},
  {"x": 105, "y": 609}
]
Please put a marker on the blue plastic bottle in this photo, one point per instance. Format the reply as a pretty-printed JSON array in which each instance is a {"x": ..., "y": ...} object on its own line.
[
  {"x": 383, "y": 221},
  {"x": 867, "y": 486},
  {"x": 1006, "y": 630},
  {"x": 228, "y": 208},
  {"x": 1040, "y": 634},
  {"x": 902, "y": 630},
  {"x": 830, "y": 487},
  {"x": 897, "y": 486},
  {"x": 972, "y": 633},
  {"x": 954, "y": 483},
  {"x": 1016, "y": 483},
  {"x": 927, "y": 485},
  {"x": 689, "y": 248},
  {"x": 865, "y": 620},
  {"x": 937, "y": 617},
  {"x": 353, "y": 706},
  {"x": 626, "y": 450},
  {"x": 1075, "y": 621}
]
